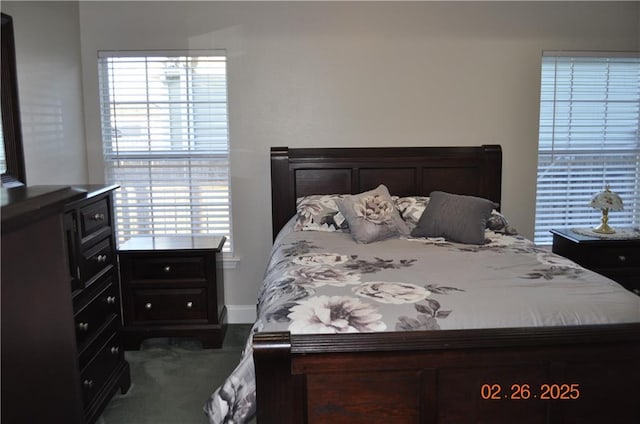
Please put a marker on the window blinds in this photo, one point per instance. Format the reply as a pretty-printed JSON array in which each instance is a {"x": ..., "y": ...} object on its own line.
[
  {"x": 165, "y": 141},
  {"x": 589, "y": 137}
]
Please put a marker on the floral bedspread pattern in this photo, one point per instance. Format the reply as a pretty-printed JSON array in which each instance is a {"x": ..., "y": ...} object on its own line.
[{"x": 322, "y": 282}]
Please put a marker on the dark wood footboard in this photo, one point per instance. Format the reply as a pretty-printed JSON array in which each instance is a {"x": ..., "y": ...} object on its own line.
[{"x": 581, "y": 374}]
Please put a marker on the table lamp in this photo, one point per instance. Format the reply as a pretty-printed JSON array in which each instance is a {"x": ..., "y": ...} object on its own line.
[{"x": 606, "y": 201}]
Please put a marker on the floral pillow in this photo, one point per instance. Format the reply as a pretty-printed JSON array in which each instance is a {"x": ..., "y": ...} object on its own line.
[
  {"x": 319, "y": 213},
  {"x": 499, "y": 224},
  {"x": 411, "y": 208},
  {"x": 372, "y": 215}
]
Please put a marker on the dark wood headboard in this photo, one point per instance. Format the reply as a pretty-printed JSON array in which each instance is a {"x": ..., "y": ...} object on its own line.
[{"x": 474, "y": 171}]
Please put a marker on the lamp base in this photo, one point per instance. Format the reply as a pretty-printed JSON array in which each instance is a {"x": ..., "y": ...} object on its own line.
[{"x": 604, "y": 229}]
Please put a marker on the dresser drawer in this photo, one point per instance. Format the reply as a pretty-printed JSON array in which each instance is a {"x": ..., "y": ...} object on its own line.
[
  {"x": 97, "y": 258},
  {"x": 618, "y": 257},
  {"x": 161, "y": 268},
  {"x": 94, "y": 217},
  {"x": 95, "y": 345},
  {"x": 99, "y": 368},
  {"x": 99, "y": 309},
  {"x": 170, "y": 304}
]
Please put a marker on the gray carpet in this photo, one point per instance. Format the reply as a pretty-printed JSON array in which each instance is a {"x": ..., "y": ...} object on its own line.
[{"x": 171, "y": 379}]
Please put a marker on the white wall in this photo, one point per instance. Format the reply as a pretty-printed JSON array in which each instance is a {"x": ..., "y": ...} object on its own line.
[
  {"x": 47, "y": 38},
  {"x": 360, "y": 74}
]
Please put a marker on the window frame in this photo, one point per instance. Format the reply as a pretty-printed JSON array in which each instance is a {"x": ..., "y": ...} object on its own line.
[
  {"x": 190, "y": 151},
  {"x": 577, "y": 157}
]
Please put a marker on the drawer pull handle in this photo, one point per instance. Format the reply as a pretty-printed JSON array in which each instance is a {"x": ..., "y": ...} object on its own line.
[
  {"x": 115, "y": 350},
  {"x": 101, "y": 259},
  {"x": 83, "y": 326},
  {"x": 111, "y": 300},
  {"x": 88, "y": 384},
  {"x": 189, "y": 305},
  {"x": 148, "y": 306},
  {"x": 167, "y": 268},
  {"x": 622, "y": 258},
  {"x": 98, "y": 217}
]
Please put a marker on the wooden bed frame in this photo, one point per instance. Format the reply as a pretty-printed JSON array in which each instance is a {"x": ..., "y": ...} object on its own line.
[{"x": 434, "y": 376}]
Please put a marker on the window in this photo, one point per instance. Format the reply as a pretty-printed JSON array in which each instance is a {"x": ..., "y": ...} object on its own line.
[
  {"x": 165, "y": 141},
  {"x": 589, "y": 137}
]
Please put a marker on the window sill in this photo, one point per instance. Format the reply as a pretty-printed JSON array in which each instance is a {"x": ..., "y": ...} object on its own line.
[{"x": 229, "y": 261}]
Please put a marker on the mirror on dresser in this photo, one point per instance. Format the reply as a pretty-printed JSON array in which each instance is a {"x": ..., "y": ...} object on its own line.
[{"x": 11, "y": 154}]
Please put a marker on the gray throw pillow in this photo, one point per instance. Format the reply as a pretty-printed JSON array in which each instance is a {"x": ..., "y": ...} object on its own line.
[
  {"x": 372, "y": 215},
  {"x": 457, "y": 218}
]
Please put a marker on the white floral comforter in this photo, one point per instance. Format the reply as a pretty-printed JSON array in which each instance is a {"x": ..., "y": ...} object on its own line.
[{"x": 324, "y": 282}]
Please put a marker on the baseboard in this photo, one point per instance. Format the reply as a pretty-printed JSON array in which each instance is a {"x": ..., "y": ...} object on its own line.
[{"x": 241, "y": 314}]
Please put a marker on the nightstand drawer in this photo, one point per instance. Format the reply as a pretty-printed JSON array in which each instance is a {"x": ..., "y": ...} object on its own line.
[
  {"x": 94, "y": 217},
  {"x": 601, "y": 257},
  {"x": 96, "y": 259},
  {"x": 170, "y": 304},
  {"x": 618, "y": 259},
  {"x": 629, "y": 278},
  {"x": 167, "y": 268},
  {"x": 96, "y": 312}
]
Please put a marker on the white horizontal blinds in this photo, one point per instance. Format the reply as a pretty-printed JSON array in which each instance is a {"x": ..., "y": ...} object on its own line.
[
  {"x": 165, "y": 139},
  {"x": 589, "y": 137}
]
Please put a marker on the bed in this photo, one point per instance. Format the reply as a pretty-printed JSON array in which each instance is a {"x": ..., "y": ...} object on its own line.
[{"x": 444, "y": 352}]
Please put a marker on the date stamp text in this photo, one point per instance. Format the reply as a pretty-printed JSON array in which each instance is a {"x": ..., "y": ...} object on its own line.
[{"x": 525, "y": 391}]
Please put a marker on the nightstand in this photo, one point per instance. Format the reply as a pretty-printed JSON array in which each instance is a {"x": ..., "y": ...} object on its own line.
[
  {"x": 172, "y": 287},
  {"x": 614, "y": 258}
]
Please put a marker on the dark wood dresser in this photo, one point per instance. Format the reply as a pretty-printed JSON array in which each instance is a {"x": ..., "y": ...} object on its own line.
[
  {"x": 62, "y": 356},
  {"x": 613, "y": 258},
  {"x": 40, "y": 375},
  {"x": 95, "y": 289},
  {"x": 173, "y": 287}
]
